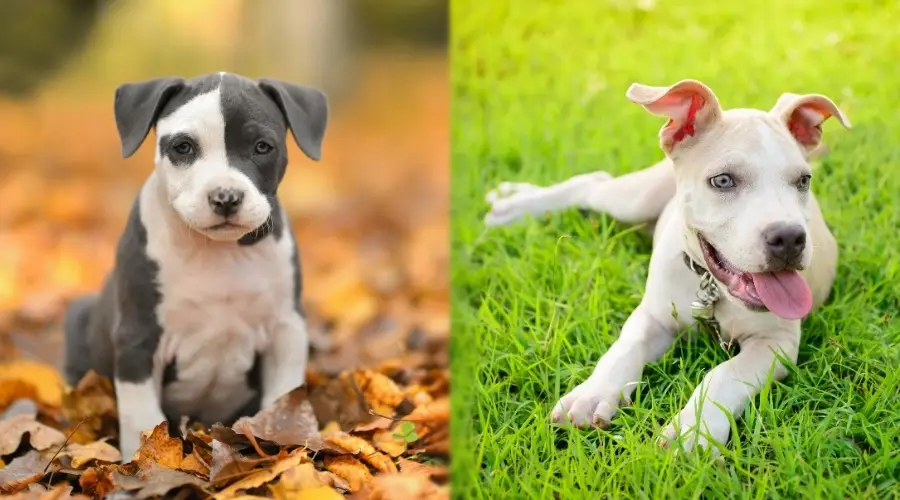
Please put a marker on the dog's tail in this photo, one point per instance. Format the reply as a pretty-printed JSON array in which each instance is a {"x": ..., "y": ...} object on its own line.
[{"x": 76, "y": 324}]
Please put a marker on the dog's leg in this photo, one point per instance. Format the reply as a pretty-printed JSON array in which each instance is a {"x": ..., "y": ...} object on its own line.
[
  {"x": 284, "y": 363},
  {"x": 139, "y": 410},
  {"x": 645, "y": 338},
  {"x": 728, "y": 387},
  {"x": 633, "y": 198}
]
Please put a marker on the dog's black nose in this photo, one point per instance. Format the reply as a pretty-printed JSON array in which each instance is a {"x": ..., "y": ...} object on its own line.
[
  {"x": 785, "y": 242},
  {"x": 225, "y": 201}
]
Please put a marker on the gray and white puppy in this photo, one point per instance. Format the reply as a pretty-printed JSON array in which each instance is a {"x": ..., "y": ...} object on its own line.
[{"x": 201, "y": 316}]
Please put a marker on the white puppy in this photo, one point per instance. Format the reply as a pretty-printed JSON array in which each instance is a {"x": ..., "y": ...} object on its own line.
[{"x": 739, "y": 242}]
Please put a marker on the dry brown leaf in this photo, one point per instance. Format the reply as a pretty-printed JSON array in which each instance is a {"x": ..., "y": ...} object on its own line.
[
  {"x": 289, "y": 422},
  {"x": 340, "y": 400},
  {"x": 390, "y": 442},
  {"x": 61, "y": 492},
  {"x": 305, "y": 476},
  {"x": 157, "y": 481},
  {"x": 402, "y": 486},
  {"x": 358, "y": 446},
  {"x": 160, "y": 449},
  {"x": 431, "y": 471},
  {"x": 40, "y": 436},
  {"x": 25, "y": 470},
  {"x": 93, "y": 403},
  {"x": 435, "y": 412},
  {"x": 349, "y": 469},
  {"x": 263, "y": 476},
  {"x": 45, "y": 379},
  {"x": 99, "y": 451},
  {"x": 98, "y": 481},
  {"x": 228, "y": 463},
  {"x": 380, "y": 392}
]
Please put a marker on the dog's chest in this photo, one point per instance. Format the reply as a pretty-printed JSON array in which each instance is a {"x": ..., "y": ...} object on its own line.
[{"x": 217, "y": 313}]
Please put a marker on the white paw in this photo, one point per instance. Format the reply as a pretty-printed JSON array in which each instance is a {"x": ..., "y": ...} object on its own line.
[
  {"x": 507, "y": 189},
  {"x": 509, "y": 202},
  {"x": 713, "y": 427},
  {"x": 591, "y": 404}
]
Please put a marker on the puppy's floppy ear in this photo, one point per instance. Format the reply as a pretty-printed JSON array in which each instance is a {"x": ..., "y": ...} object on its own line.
[
  {"x": 689, "y": 105},
  {"x": 803, "y": 116},
  {"x": 306, "y": 111},
  {"x": 137, "y": 106}
]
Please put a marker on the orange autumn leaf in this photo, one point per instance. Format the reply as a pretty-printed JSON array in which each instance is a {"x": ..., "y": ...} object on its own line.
[
  {"x": 390, "y": 442},
  {"x": 349, "y": 469},
  {"x": 46, "y": 380},
  {"x": 366, "y": 452},
  {"x": 265, "y": 475},
  {"x": 404, "y": 486},
  {"x": 382, "y": 393}
]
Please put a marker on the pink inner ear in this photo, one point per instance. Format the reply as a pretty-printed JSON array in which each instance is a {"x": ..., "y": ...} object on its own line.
[
  {"x": 805, "y": 124},
  {"x": 678, "y": 131}
]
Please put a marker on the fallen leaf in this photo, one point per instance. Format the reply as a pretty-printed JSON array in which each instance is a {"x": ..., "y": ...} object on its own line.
[
  {"x": 380, "y": 392},
  {"x": 25, "y": 470},
  {"x": 157, "y": 481},
  {"x": 340, "y": 400},
  {"x": 416, "y": 468},
  {"x": 99, "y": 451},
  {"x": 305, "y": 476},
  {"x": 14, "y": 389},
  {"x": 349, "y": 469},
  {"x": 61, "y": 492},
  {"x": 45, "y": 379},
  {"x": 402, "y": 487},
  {"x": 98, "y": 481},
  {"x": 92, "y": 402},
  {"x": 435, "y": 412},
  {"x": 226, "y": 462},
  {"x": 263, "y": 476},
  {"x": 289, "y": 422},
  {"x": 316, "y": 493},
  {"x": 163, "y": 451},
  {"x": 40, "y": 436},
  {"x": 160, "y": 449},
  {"x": 360, "y": 447},
  {"x": 390, "y": 442}
]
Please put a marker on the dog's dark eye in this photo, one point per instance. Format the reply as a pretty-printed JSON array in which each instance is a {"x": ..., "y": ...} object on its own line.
[
  {"x": 262, "y": 147},
  {"x": 183, "y": 148},
  {"x": 721, "y": 181},
  {"x": 803, "y": 182}
]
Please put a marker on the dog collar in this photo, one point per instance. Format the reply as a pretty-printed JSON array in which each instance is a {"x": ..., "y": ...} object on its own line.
[{"x": 704, "y": 308}]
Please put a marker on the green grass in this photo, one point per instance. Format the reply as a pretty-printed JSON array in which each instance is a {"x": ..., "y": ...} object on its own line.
[{"x": 538, "y": 96}]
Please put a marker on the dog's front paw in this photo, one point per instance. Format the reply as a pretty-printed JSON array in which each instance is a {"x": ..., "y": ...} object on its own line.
[
  {"x": 591, "y": 404},
  {"x": 709, "y": 431},
  {"x": 508, "y": 203}
]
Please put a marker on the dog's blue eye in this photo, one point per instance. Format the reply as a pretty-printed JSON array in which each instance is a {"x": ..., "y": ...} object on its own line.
[
  {"x": 803, "y": 182},
  {"x": 262, "y": 147},
  {"x": 721, "y": 181},
  {"x": 183, "y": 148}
]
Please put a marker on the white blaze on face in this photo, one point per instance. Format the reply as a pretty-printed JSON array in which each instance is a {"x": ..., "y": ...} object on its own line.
[
  {"x": 188, "y": 187},
  {"x": 765, "y": 164}
]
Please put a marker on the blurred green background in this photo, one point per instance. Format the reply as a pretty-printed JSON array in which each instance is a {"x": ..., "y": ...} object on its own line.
[{"x": 539, "y": 96}]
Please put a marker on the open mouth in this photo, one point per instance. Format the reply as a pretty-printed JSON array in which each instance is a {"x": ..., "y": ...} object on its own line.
[{"x": 784, "y": 293}]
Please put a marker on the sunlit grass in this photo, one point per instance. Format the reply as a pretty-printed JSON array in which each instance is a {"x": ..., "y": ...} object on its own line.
[{"x": 538, "y": 89}]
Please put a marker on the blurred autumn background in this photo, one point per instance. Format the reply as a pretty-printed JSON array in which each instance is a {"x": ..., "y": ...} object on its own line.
[{"x": 370, "y": 218}]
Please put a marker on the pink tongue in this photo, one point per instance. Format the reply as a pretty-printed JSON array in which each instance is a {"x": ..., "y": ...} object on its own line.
[{"x": 785, "y": 293}]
